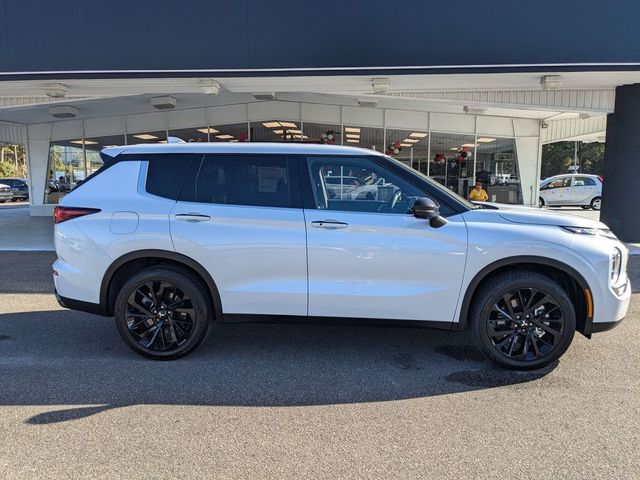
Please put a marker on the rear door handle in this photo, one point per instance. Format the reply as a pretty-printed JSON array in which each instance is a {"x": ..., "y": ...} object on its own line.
[
  {"x": 329, "y": 224},
  {"x": 192, "y": 217}
]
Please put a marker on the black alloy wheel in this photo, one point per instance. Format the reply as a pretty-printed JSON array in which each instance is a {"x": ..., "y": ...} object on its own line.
[
  {"x": 525, "y": 324},
  {"x": 522, "y": 320},
  {"x": 162, "y": 313}
]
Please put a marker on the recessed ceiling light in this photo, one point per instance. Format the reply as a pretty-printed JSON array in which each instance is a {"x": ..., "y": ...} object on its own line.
[
  {"x": 208, "y": 130},
  {"x": 352, "y": 129},
  {"x": 351, "y": 140},
  {"x": 272, "y": 124},
  {"x": 278, "y": 132},
  {"x": 289, "y": 124},
  {"x": 418, "y": 135},
  {"x": 224, "y": 137},
  {"x": 454, "y": 148},
  {"x": 411, "y": 140},
  {"x": 146, "y": 136},
  {"x": 162, "y": 141},
  {"x": 294, "y": 131},
  {"x": 84, "y": 142},
  {"x": 468, "y": 145},
  {"x": 406, "y": 144},
  {"x": 353, "y": 135},
  {"x": 486, "y": 140},
  {"x": 109, "y": 146}
]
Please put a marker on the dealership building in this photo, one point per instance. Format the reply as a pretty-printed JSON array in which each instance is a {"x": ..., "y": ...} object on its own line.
[{"x": 457, "y": 90}]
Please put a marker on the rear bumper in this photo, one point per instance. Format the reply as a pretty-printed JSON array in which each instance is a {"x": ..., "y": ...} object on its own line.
[{"x": 88, "y": 307}]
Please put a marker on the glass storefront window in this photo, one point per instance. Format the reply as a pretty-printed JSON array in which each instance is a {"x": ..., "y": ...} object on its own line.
[
  {"x": 277, "y": 131},
  {"x": 93, "y": 146},
  {"x": 235, "y": 132},
  {"x": 364, "y": 137},
  {"x": 409, "y": 146},
  {"x": 497, "y": 167},
  {"x": 196, "y": 134},
  {"x": 147, "y": 137},
  {"x": 326, "y": 133},
  {"x": 66, "y": 168},
  {"x": 452, "y": 161}
]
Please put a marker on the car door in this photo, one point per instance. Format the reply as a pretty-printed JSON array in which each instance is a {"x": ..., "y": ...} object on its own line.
[
  {"x": 240, "y": 217},
  {"x": 370, "y": 257},
  {"x": 582, "y": 190}
]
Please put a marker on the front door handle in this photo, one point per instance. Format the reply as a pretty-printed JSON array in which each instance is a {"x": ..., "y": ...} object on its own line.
[
  {"x": 329, "y": 224},
  {"x": 192, "y": 217}
]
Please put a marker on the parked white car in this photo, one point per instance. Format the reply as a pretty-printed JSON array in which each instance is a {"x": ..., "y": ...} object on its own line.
[
  {"x": 169, "y": 238},
  {"x": 571, "y": 189}
]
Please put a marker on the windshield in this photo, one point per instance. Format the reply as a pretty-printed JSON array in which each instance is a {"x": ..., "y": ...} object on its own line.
[{"x": 435, "y": 184}]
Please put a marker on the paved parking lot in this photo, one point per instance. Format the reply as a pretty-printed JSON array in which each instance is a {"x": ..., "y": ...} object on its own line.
[{"x": 294, "y": 401}]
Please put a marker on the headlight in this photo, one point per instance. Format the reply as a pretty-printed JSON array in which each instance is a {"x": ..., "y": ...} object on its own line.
[
  {"x": 615, "y": 268},
  {"x": 602, "y": 232}
]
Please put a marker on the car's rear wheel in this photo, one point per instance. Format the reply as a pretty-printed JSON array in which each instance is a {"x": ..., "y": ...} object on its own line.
[
  {"x": 596, "y": 203},
  {"x": 162, "y": 312},
  {"x": 522, "y": 320}
]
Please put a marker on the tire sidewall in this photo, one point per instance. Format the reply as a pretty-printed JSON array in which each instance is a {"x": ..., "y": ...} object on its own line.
[
  {"x": 501, "y": 285},
  {"x": 192, "y": 289}
]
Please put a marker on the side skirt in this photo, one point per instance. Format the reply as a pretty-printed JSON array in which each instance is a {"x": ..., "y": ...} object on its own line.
[{"x": 350, "y": 321}]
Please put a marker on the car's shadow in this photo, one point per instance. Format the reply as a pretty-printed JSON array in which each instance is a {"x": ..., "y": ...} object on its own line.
[{"x": 69, "y": 358}]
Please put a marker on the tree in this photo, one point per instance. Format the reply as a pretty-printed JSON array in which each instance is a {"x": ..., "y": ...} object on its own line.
[{"x": 558, "y": 157}]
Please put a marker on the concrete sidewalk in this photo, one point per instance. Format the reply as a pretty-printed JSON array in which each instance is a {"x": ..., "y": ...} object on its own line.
[{"x": 19, "y": 232}]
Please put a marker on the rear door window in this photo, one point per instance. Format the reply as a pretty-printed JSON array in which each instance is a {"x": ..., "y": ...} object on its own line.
[{"x": 249, "y": 179}]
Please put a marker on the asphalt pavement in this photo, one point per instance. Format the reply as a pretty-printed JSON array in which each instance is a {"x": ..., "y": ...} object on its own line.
[{"x": 285, "y": 401}]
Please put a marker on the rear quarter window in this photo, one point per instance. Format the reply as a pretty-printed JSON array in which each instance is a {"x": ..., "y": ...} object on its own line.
[{"x": 166, "y": 174}]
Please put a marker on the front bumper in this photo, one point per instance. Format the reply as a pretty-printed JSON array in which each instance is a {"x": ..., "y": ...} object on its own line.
[{"x": 615, "y": 303}]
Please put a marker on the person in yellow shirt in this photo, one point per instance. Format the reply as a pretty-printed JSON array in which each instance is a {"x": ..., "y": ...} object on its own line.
[{"x": 478, "y": 194}]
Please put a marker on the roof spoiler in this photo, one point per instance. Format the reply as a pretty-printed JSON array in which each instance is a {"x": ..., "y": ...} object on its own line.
[{"x": 109, "y": 153}]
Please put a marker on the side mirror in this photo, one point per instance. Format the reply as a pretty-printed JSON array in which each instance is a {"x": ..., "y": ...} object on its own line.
[{"x": 428, "y": 209}]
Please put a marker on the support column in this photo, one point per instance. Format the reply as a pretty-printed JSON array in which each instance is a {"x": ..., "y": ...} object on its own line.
[
  {"x": 38, "y": 158},
  {"x": 620, "y": 194}
]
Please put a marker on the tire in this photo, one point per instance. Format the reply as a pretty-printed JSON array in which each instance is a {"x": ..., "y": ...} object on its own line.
[
  {"x": 526, "y": 346},
  {"x": 163, "y": 333},
  {"x": 596, "y": 203},
  {"x": 540, "y": 202}
]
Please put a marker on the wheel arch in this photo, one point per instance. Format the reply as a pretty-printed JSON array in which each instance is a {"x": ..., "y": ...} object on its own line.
[
  {"x": 133, "y": 261},
  {"x": 569, "y": 278}
]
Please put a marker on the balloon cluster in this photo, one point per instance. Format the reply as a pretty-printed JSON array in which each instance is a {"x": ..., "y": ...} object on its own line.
[
  {"x": 328, "y": 137},
  {"x": 463, "y": 154},
  {"x": 394, "y": 148}
]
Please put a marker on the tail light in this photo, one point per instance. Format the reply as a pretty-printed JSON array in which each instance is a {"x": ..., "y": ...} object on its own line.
[
  {"x": 62, "y": 214},
  {"x": 601, "y": 179}
]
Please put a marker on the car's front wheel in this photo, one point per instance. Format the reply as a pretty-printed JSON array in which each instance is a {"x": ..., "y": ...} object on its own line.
[
  {"x": 522, "y": 320},
  {"x": 596, "y": 203},
  {"x": 163, "y": 312},
  {"x": 540, "y": 202}
]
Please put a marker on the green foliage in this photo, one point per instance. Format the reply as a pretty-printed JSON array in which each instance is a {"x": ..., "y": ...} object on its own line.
[
  {"x": 13, "y": 161},
  {"x": 558, "y": 157}
]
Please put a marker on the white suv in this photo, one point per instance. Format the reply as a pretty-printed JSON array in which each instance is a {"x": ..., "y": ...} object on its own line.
[{"x": 170, "y": 238}]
